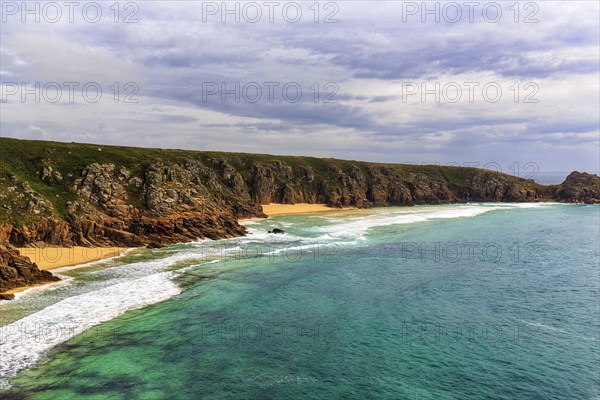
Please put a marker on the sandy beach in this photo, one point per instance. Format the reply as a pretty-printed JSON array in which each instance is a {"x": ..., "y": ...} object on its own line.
[
  {"x": 274, "y": 209},
  {"x": 49, "y": 258}
]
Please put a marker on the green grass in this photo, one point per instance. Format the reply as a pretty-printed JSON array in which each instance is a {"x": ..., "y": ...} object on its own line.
[{"x": 24, "y": 159}]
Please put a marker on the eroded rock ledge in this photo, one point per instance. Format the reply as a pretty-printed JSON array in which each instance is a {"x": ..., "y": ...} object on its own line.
[
  {"x": 17, "y": 271},
  {"x": 57, "y": 194}
]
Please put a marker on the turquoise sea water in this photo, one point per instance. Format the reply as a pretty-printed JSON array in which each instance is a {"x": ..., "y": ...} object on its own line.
[{"x": 480, "y": 301}]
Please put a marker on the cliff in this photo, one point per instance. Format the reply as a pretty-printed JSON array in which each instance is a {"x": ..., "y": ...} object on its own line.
[
  {"x": 579, "y": 187},
  {"x": 17, "y": 271},
  {"x": 66, "y": 194}
]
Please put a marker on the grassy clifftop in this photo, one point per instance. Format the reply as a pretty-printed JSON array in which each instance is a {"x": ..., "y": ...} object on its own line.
[
  {"x": 66, "y": 194},
  {"x": 51, "y": 169}
]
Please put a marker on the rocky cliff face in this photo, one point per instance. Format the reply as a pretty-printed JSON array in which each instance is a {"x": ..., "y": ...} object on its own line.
[
  {"x": 16, "y": 271},
  {"x": 112, "y": 207},
  {"x": 69, "y": 194},
  {"x": 579, "y": 187},
  {"x": 380, "y": 185}
]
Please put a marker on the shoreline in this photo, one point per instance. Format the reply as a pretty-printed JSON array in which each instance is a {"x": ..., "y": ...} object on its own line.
[
  {"x": 277, "y": 209},
  {"x": 22, "y": 289},
  {"x": 51, "y": 258}
]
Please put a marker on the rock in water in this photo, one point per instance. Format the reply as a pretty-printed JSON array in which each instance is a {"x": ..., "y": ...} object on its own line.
[{"x": 134, "y": 197}]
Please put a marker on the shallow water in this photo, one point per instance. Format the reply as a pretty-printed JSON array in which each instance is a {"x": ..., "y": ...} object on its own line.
[{"x": 438, "y": 302}]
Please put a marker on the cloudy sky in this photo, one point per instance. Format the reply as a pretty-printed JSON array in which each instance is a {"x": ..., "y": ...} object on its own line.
[{"x": 514, "y": 87}]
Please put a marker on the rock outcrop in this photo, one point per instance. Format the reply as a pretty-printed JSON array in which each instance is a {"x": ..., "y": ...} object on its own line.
[
  {"x": 61, "y": 194},
  {"x": 579, "y": 187},
  {"x": 17, "y": 271}
]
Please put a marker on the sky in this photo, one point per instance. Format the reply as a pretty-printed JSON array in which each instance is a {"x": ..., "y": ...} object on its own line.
[{"x": 510, "y": 86}]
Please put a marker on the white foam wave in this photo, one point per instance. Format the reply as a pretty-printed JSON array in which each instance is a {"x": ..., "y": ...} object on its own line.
[
  {"x": 37, "y": 289},
  {"x": 536, "y": 205},
  {"x": 24, "y": 342},
  {"x": 125, "y": 287},
  {"x": 92, "y": 263},
  {"x": 357, "y": 227},
  {"x": 351, "y": 229},
  {"x": 250, "y": 222}
]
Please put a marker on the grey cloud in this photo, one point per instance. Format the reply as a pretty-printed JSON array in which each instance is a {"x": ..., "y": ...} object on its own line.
[
  {"x": 173, "y": 53},
  {"x": 382, "y": 99},
  {"x": 178, "y": 119}
]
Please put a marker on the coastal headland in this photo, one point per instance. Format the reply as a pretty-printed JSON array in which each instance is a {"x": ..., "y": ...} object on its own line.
[{"x": 85, "y": 196}]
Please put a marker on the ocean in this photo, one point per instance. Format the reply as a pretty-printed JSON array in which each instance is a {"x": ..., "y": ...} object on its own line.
[{"x": 473, "y": 301}]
